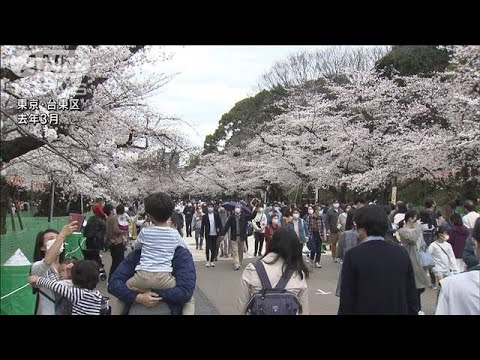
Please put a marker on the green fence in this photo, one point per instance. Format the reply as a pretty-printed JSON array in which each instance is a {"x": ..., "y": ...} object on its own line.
[
  {"x": 16, "y": 296},
  {"x": 25, "y": 239}
]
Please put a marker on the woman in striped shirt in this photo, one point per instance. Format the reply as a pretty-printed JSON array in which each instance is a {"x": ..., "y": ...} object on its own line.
[{"x": 85, "y": 299}]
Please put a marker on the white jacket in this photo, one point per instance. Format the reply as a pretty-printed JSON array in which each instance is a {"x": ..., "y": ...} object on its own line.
[
  {"x": 262, "y": 219},
  {"x": 443, "y": 262}
]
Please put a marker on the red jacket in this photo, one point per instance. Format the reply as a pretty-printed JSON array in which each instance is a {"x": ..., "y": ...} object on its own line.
[{"x": 269, "y": 231}]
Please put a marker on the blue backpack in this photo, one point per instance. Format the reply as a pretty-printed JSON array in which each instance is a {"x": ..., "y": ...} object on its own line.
[{"x": 269, "y": 301}]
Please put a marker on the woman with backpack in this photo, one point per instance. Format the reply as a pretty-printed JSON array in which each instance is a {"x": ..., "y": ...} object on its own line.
[
  {"x": 283, "y": 267},
  {"x": 95, "y": 232}
]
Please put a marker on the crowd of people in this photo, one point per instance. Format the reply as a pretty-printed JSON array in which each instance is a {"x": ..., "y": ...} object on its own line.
[{"x": 388, "y": 254}]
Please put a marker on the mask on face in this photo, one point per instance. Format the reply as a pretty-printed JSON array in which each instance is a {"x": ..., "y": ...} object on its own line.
[
  {"x": 189, "y": 204},
  {"x": 275, "y": 221},
  {"x": 49, "y": 244},
  {"x": 238, "y": 211},
  {"x": 446, "y": 237},
  {"x": 310, "y": 211},
  {"x": 296, "y": 215},
  {"x": 210, "y": 210},
  {"x": 336, "y": 205}
]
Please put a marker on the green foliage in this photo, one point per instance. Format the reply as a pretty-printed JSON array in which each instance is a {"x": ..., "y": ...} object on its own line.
[
  {"x": 407, "y": 60},
  {"x": 245, "y": 118},
  {"x": 193, "y": 161}
]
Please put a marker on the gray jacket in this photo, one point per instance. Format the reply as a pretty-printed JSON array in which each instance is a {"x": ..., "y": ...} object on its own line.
[
  {"x": 348, "y": 240},
  {"x": 332, "y": 219}
]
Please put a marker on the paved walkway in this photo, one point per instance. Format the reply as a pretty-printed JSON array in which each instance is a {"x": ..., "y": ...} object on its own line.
[{"x": 218, "y": 288}]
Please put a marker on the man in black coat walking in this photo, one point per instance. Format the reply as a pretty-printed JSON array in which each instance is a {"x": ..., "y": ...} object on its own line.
[
  {"x": 211, "y": 226},
  {"x": 188, "y": 213},
  {"x": 377, "y": 276}
]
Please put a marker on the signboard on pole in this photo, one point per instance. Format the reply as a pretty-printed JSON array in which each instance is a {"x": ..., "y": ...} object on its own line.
[{"x": 394, "y": 195}]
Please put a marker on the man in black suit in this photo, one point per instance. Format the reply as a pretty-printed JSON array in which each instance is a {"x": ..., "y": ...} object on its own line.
[
  {"x": 188, "y": 213},
  {"x": 358, "y": 202},
  {"x": 211, "y": 226},
  {"x": 377, "y": 276}
]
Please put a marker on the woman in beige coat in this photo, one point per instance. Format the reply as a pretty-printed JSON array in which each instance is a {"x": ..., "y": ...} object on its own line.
[
  {"x": 411, "y": 237},
  {"x": 284, "y": 255}
]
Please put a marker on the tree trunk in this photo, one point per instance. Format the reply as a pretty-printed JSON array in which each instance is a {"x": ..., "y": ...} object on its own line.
[
  {"x": 19, "y": 215},
  {"x": 471, "y": 186},
  {"x": 5, "y": 195},
  {"x": 342, "y": 196},
  {"x": 12, "y": 217},
  {"x": 52, "y": 201}
]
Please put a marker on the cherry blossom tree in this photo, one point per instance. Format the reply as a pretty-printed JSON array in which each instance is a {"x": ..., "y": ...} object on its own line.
[
  {"x": 79, "y": 116},
  {"x": 363, "y": 132}
]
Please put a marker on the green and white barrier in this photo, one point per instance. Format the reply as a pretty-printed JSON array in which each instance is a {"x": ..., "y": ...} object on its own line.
[{"x": 16, "y": 296}]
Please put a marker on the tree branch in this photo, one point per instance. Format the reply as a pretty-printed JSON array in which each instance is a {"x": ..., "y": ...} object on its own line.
[{"x": 12, "y": 149}]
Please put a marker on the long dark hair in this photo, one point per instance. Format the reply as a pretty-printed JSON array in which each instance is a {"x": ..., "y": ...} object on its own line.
[
  {"x": 410, "y": 214},
  {"x": 286, "y": 245},
  {"x": 38, "y": 254}
]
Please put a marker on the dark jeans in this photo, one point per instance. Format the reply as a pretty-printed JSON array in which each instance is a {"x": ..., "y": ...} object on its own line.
[
  {"x": 316, "y": 252},
  {"x": 211, "y": 247},
  {"x": 217, "y": 250},
  {"x": 419, "y": 292},
  {"x": 432, "y": 276},
  {"x": 198, "y": 239},
  {"x": 259, "y": 238},
  {"x": 93, "y": 255},
  {"x": 118, "y": 254},
  {"x": 189, "y": 226},
  {"x": 92, "y": 252}
]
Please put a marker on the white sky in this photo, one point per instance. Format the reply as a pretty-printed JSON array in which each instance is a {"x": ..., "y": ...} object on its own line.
[{"x": 212, "y": 79}]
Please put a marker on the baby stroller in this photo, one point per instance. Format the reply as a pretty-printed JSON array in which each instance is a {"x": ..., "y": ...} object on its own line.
[
  {"x": 105, "y": 308},
  {"x": 102, "y": 273}
]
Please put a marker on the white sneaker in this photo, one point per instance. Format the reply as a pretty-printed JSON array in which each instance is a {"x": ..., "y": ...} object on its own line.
[
  {"x": 212, "y": 264},
  {"x": 421, "y": 312},
  {"x": 317, "y": 265},
  {"x": 207, "y": 264}
]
